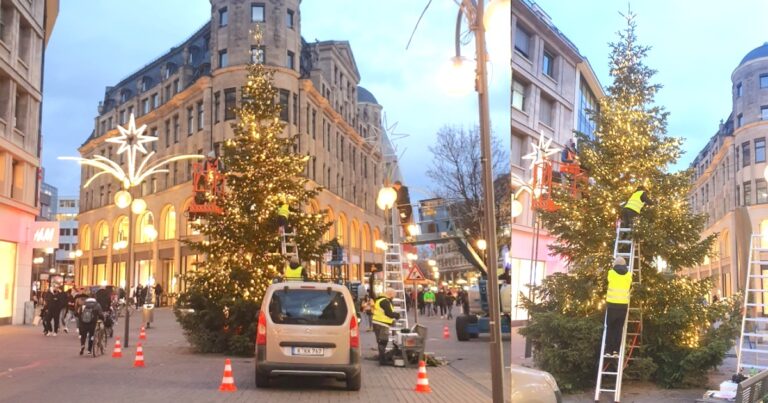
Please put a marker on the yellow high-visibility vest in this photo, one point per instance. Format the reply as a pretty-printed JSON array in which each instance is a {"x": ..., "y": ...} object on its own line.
[
  {"x": 378, "y": 313},
  {"x": 618, "y": 287},
  {"x": 283, "y": 210},
  {"x": 293, "y": 274},
  {"x": 635, "y": 203}
]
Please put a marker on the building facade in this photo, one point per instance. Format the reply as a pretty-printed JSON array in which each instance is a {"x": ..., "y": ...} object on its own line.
[
  {"x": 25, "y": 26},
  {"x": 49, "y": 196},
  {"x": 66, "y": 214},
  {"x": 186, "y": 97},
  {"x": 729, "y": 183}
]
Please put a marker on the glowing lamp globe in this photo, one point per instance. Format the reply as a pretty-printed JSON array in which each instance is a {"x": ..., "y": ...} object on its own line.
[
  {"x": 150, "y": 232},
  {"x": 517, "y": 208},
  {"x": 497, "y": 20},
  {"x": 380, "y": 244},
  {"x": 138, "y": 206},
  {"x": 123, "y": 199},
  {"x": 457, "y": 77},
  {"x": 386, "y": 198},
  {"x": 481, "y": 244}
]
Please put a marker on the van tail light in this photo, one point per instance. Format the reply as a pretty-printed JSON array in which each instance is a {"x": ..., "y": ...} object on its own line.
[
  {"x": 261, "y": 330},
  {"x": 354, "y": 333}
]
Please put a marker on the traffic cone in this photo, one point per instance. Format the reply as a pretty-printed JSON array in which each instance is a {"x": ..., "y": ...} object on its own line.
[
  {"x": 446, "y": 332},
  {"x": 227, "y": 381},
  {"x": 142, "y": 334},
  {"x": 139, "y": 362},
  {"x": 118, "y": 351},
  {"x": 422, "y": 382}
]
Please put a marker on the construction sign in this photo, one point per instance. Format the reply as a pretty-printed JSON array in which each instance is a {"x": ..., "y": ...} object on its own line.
[{"x": 415, "y": 274}]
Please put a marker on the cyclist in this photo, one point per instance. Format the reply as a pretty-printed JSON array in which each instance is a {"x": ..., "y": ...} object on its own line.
[
  {"x": 89, "y": 313},
  {"x": 104, "y": 298}
]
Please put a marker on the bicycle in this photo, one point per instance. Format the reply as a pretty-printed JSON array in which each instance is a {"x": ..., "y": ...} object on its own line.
[{"x": 99, "y": 339}]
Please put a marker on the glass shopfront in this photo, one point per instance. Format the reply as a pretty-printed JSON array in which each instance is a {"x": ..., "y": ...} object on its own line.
[{"x": 7, "y": 279}]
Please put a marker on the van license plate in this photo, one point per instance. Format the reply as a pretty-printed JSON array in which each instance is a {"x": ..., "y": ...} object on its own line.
[{"x": 308, "y": 351}]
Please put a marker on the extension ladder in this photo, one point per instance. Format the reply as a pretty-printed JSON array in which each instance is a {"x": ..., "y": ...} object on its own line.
[
  {"x": 755, "y": 302},
  {"x": 633, "y": 322},
  {"x": 288, "y": 247},
  {"x": 393, "y": 278}
]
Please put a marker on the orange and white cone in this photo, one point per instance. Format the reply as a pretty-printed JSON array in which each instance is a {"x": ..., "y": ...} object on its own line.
[
  {"x": 446, "y": 333},
  {"x": 422, "y": 382},
  {"x": 139, "y": 361},
  {"x": 142, "y": 334},
  {"x": 118, "y": 351},
  {"x": 227, "y": 381}
]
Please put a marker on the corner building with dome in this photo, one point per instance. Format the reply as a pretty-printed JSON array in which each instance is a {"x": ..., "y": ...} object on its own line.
[
  {"x": 729, "y": 182},
  {"x": 186, "y": 98}
]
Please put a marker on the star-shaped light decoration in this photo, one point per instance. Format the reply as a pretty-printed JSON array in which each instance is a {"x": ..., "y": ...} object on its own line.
[
  {"x": 540, "y": 151},
  {"x": 131, "y": 140}
]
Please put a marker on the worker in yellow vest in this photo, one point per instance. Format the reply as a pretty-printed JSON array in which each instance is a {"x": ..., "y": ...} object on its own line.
[
  {"x": 283, "y": 212},
  {"x": 634, "y": 206},
  {"x": 617, "y": 304},
  {"x": 293, "y": 271},
  {"x": 383, "y": 317}
]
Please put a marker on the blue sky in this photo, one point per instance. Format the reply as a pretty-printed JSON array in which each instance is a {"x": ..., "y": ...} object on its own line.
[
  {"x": 696, "y": 45},
  {"x": 96, "y": 44}
]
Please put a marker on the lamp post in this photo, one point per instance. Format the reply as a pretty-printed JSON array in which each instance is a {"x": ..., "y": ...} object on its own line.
[{"x": 498, "y": 17}]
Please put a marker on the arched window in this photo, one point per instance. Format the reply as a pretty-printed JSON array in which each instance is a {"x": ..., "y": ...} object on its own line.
[
  {"x": 726, "y": 246},
  {"x": 102, "y": 235},
  {"x": 354, "y": 235},
  {"x": 85, "y": 238},
  {"x": 341, "y": 229},
  {"x": 367, "y": 237},
  {"x": 146, "y": 228},
  {"x": 376, "y": 234},
  {"x": 168, "y": 220},
  {"x": 331, "y": 233},
  {"x": 764, "y": 233},
  {"x": 120, "y": 229}
]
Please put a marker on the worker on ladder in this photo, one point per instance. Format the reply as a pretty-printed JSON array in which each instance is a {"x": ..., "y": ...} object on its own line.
[
  {"x": 293, "y": 271},
  {"x": 282, "y": 216},
  {"x": 634, "y": 206},
  {"x": 617, "y": 304}
]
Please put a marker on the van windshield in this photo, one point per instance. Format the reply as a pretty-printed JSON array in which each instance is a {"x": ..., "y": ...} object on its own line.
[{"x": 308, "y": 307}]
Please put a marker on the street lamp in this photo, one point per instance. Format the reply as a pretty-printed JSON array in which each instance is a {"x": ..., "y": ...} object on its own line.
[
  {"x": 385, "y": 200},
  {"x": 498, "y": 23}
]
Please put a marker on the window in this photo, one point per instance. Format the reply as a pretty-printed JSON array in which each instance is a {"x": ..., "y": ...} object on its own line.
[
  {"x": 739, "y": 120},
  {"x": 154, "y": 134},
  {"x": 257, "y": 54},
  {"x": 747, "y": 193},
  {"x": 738, "y": 90},
  {"x": 745, "y": 154},
  {"x": 289, "y": 19},
  {"x": 216, "y": 104},
  {"x": 762, "y": 191},
  {"x": 167, "y": 133},
  {"x": 548, "y": 64},
  {"x": 176, "y": 86},
  {"x": 122, "y": 117},
  {"x": 522, "y": 42},
  {"x": 763, "y": 80},
  {"x": 759, "y": 150},
  {"x": 308, "y": 307},
  {"x": 230, "y": 98},
  {"x": 155, "y": 100},
  {"x": 295, "y": 109},
  {"x": 190, "y": 121},
  {"x": 223, "y": 59},
  {"x": 284, "y": 95},
  {"x": 546, "y": 112},
  {"x": 764, "y": 112},
  {"x": 518, "y": 95},
  {"x": 3, "y": 14},
  {"x": 145, "y": 106},
  {"x": 175, "y": 129},
  {"x": 200, "y": 115},
  {"x": 223, "y": 17},
  {"x": 257, "y": 12},
  {"x": 146, "y": 83},
  {"x": 289, "y": 60}
]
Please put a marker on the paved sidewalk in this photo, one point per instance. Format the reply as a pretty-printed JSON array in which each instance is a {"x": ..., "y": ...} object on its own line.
[{"x": 34, "y": 368}]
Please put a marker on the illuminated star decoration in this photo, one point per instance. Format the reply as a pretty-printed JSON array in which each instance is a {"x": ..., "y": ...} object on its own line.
[
  {"x": 541, "y": 151},
  {"x": 130, "y": 140}
]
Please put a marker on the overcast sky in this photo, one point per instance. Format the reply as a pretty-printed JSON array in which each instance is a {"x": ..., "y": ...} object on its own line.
[
  {"x": 96, "y": 44},
  {"x": 696, "y": 46}
]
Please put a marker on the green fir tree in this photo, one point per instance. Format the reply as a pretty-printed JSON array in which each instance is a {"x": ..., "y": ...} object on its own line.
[
  {"x": 241, "y": 246},
  {"x": 630, "y": 147}
]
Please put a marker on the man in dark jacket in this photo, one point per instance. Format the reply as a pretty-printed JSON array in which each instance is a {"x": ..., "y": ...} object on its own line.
[
  {"x": 158, "y": 293},
  {"x": 440, "y": 301},
  {"x": 634, "y": 206},
  {"x": 88, "y": 315}
]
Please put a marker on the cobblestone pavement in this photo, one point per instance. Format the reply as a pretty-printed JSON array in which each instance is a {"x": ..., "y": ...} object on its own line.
[{"x": 34, "y": 368}]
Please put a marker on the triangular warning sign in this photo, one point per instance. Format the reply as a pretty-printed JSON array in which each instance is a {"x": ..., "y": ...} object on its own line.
[{"x": 414, "y": 274}]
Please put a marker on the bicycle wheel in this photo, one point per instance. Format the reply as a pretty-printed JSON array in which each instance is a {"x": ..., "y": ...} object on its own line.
[{"x": 98, "y": 342}]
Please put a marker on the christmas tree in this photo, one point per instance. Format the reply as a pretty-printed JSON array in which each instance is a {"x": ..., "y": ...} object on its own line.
[
  {"x": 629, "y": 148},
  {"x": 242, "y": 244}
]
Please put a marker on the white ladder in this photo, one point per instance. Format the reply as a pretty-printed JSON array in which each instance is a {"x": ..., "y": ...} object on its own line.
[
  {"x": 630, "y": 256},
  {"x": 393, "y": 278},
  {"x": 288, "y": 247},
  {"x": 754, "y": 302}
]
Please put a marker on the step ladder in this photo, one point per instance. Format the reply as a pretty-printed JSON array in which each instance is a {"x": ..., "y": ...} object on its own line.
[
  {"x": 751, "y": 356},
  {"x": 288, "y": 247},
  {"x": 393, "y": 278},
  {"x": 624, "y": 247}
]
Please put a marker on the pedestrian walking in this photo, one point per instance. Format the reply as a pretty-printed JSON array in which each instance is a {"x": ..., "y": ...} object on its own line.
[
  {"x": 420, "y": 301},
  {"x": 137, "y": 295},
  {"x": 440, "y": 301},
  {"x": 449, "y": 303},
  {"x": 617, "y": 302},
  {"x": 429, "y": 302},
  {"x": 67, "y": 309},
  {"x": 89, "y": 313},
  {"x": 158, "y": 293}
]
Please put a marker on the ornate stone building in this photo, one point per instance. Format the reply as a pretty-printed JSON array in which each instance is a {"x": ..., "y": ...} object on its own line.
[
  {"x": 25, "y": 27},
  {"x": 186, "y": 97}
]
